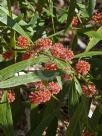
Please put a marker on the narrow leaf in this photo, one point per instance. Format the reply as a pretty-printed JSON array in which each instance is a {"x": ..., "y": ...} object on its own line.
[
  {"x": 12, "y": 69},
  {"x": 6, "y": 116},
  {"x": 93, "y": 41},
  {"x": 28, "y": 78},
  {"x": 88, "y": 54}
]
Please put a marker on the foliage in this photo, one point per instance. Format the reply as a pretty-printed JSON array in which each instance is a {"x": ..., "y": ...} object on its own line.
[{"x": 42, "y": 73}]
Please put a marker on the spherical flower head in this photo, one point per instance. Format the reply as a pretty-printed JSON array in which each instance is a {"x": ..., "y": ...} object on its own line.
[
  {"x": 54, "y": 88},
  {"x": 69, "y": 55},
  {"x": 22, "y": 42},
  {"x": 97, "y": 18},
  {"x": 82, "y": 67},
  {"x": 40, "y": 96},
  {"x": 36, "y": 97},
  {"x": 89, "y": 90},
  {"x": 26, "y": 55},
  {"x": 92, "y": 89},
  {"x": 46, "y": 95},
  {"x": 75, "y": 22},
  {"x": 39, "y": 85},
  {"x": 50, "y": 66},
  {"x": 67, "y": 77},
  {"x": 43, "y": 44},
  {"x": 10, "y": 96},
  {"x": 85, "y": 90},
  {"x": 57, "y": 50},
  {"x": 8, "y": 55}
]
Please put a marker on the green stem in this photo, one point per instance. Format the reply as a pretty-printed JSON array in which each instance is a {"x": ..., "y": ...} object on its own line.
[
  {"x": 51, "y": 10},
  {"x": 9, "y": 7},
  {"x": 57, "y": 33},
  {"x": 13, "y": 44}
]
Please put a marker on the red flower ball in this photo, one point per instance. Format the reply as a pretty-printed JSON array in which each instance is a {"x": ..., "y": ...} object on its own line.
[
  {"x": 82, "y": 67},
  {"x": 8, "y": 55},
  {"x": 75, "y": 21},
  {"x": 89, "y": 90},
  {"x": 50, "y": 66},
  {"x": 67, "y": 77},
  {"x": 26, "y": 55},
  {"x": 11, "y": 96},
  {"x": 43, "y": 44},
  {"x": 40, "y": 96},
  {"x": 46, "y": 95},
  {"x": 39, "y": 85},
  {"x": 92, "y": 89},
  {"x": 57, "y": 50},
  {"x": 36, "y": 97},
  {"x": 54, "y": 88},
  {"x": 69, "y": 55},
  {"x": 97, "y": 18},
  {"x": 22, "y": 41}
]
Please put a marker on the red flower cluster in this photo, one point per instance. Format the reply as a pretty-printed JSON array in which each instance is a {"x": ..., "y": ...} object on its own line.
[
  {"x": 8, "y": 55},
  {"x": 67, "y": 77},
  {"x": 54, "y": 88},
  {"x": 59, "y": 51},
  {"x": 97, "y": 18},
  {"x": 26, "y": 55},
  {"x": 40, "y": 96},
  {"x": 75, "y": 22},
  {"x": 39, "y": 85},
  {"x": 43, "y": 44},
  {"x": 50, "y": 66},
  {"x": 44, "y": 92},
  {"x": 82, "y": 67},
  {"x": 89, "y": 90},
  {"x": 22, "y": 41},
  {"x": 10, "y": 96},
  {"x": 69, "y": 55}
]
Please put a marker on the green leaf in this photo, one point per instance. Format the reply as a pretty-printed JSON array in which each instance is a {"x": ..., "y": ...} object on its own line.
[
  {"x": 75, "y": 120},
  {"x": 59, "y": 81},
  {"x": 93, "y": 41},
  {"x": 17, "y": 112},
  {"x": 45, "y": 123},
  {"x": 83, "y": 10},
  {"x": 73, "y": 96},
  {"x": 12, "y": 69},
  {"x": 95, "y": 119},
  {"x": 91, "y": 6},
  {"x": 73, "y": 99},
  {"x": 51, "y": 130},
  {"x": 62, "y": 65},
  {"x": 88, "y": 54},
  {"x": 6, "y": 116},
  {"x": 7, "y": 20},
  {"x": 63, "y": 18},
  {"x": 17, "y": 19},
  {"x": 71, "y": 12},
  {"x": 94, "y": 34},
  {"x": 1, "y": 58},
  {"x": 78, "y": 86},
  {"x": 28, "y": 78}
]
